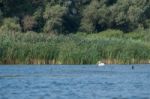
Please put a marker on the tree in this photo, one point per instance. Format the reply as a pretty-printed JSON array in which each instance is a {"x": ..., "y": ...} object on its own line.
[
  {"x": 28, "y": 23},
  {"x": 53, "y": 16},
  {"x": 90, "y": 17},
  {"x": 72, "y": 15},
  {"x": 129, "y": 14}
]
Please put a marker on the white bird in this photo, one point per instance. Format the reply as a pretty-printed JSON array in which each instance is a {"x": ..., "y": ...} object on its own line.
[{"x": 100, "y": 63}]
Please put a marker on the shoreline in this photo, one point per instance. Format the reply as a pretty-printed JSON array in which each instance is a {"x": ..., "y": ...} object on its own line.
[{"x": 54, "y": 62}]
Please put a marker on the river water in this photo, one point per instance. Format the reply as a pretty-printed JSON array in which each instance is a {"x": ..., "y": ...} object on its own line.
[{"x": 74, "y": 82}]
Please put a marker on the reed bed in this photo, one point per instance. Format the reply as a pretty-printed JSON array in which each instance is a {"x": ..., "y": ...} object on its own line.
[{"x": 112, "y": 47}]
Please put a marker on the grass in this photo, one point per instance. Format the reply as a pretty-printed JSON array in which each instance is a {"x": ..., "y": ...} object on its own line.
[{"x": 110, "y": 46}]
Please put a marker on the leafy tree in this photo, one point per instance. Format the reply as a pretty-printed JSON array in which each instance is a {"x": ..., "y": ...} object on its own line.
[
  {"x": 129, "y": 14},
  {"x": 38, "y": 17},
  {"x": 72, "y": 15},
  {"x": 28, "y": 23},
  {"x": 90, "y": 17},
  {"x": 53, "y": 16}
]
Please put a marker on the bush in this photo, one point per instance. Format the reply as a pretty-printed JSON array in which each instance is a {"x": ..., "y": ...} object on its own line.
[
  {"x": 10, "y": 24},
  {"x": 28, "y": 23}
]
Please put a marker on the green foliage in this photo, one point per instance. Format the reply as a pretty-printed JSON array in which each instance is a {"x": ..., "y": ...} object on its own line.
[
  {"x": 129, "y": 14},
  {"x": 100, "y": 28},
  {"x": 10, "y": 24},
  {"x": 126, "y": 15},
  {"x": 111, "y": 46},
  {"x": 91, "y": 16},
  {"x": 54, "y": 18},
  {"x": 38, "y": 17},
  {"x": 106, "y": 34},
  {"x": 28, "y": 23}
]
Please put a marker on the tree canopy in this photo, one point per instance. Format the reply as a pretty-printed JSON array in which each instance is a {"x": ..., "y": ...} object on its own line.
[{"x": 66, "y": 16}]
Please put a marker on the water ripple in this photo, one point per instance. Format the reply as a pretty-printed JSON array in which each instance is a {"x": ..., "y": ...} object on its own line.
[{"x": 74, "y": 82}]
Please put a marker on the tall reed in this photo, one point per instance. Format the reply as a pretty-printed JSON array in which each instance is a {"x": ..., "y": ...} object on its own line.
[{"x": 109, "y": 46}]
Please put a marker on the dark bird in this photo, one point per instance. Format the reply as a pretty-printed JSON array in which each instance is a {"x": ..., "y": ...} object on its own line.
[{"x": 132, "y": 67}]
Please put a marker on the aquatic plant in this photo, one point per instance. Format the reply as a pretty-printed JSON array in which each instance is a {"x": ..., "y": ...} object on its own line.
[{"x": 32, "y": 48}]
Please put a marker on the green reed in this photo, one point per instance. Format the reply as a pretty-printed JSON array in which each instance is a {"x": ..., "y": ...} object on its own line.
[{"x": 110, "y": 46}]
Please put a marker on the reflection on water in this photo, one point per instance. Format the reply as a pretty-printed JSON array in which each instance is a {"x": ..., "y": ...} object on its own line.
[{"x": 75, "y": 82}]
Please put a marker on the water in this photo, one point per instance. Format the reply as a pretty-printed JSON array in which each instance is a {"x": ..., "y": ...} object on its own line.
[{"x": 74, "y": 82}]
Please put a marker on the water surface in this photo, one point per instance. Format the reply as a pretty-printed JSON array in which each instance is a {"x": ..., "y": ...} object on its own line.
[{"x": 74, "y": 82}]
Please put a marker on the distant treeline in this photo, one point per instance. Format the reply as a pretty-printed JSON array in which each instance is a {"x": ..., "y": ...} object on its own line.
[{"x": 68, "y": 16}]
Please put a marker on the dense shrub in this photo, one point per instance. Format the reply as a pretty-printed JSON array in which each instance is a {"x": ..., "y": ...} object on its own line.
[
  {"x": 10, "y": 24},
  {"x": 28, "y": 23}
]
